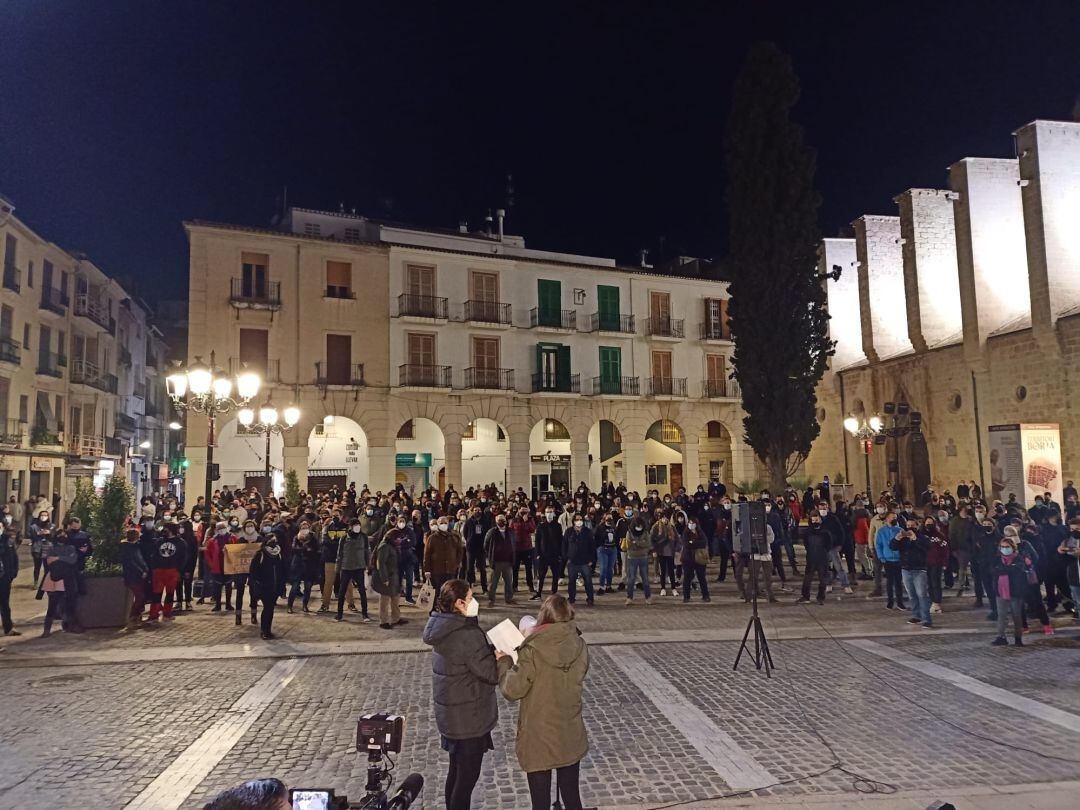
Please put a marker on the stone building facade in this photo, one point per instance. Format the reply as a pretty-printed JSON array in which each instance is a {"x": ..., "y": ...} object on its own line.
[
  {"x": 964, "y": 304},
  {"x": 423, "y": 356}
]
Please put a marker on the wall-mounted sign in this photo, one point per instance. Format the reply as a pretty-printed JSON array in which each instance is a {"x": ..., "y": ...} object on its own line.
[{"x": 548, "y": 458}]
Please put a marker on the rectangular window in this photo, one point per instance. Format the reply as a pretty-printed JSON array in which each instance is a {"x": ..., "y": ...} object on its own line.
[
  {"x": 486, "y": 353},
  {"x": 548, "y": 302},
  {"x": 485, "y": 287},
  {"x": 420, "y": 280},
  {"x": 715, "y": 468},
  {"x": 61, "y": 343},
  {"x": 44, "y": 345},
  {"x": 715, "y": 367},
  {"x": 30, "y": 274},
  {"x": 63, "y": 283},
  {"x": 607, "y": 300},
  {"x": 659, "y": 306},
  {"x": 11, "y": 247},
  {"x": 26, "y": 335},
  {"x": 46, "y": 274},
  {"x": 611, "y": 370},
  {"x": 7, "y": 322},
  {"x": 655, "y": 474},
  {"x": 661, "y": 365},
  {"x": 716, "y": 319},
  {"x": 421, "y": 349},
  {"x": 253, "y": 274},
  {"x": 5, "y": 392},
  {"x": 254, "y": 349},
  {"x": 338, "y": 359},
  {"x": 24, "y": 408},
  {"x": 338, "y": 280},
  {"x": 469, "y": 432}
]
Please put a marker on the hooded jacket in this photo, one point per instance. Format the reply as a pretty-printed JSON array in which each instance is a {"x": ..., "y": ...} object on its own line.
[
  {"x": 552, "y": 664},
  {"x": 463, "y": 676}
]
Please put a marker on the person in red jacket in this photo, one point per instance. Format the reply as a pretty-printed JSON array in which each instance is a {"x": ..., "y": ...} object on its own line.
[
  {"x": 523, "y": 527},
  {"x": 937, "y": 558},
  {"x": 214, "y": 554}
]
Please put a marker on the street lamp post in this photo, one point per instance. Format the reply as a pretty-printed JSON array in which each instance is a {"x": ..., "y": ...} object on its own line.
[
  {"x": 905, "y": 422},
  {"x": 865, "y": 430},
  {"x": 269, "y": 424},
  {"x": 208, "y": 390}
]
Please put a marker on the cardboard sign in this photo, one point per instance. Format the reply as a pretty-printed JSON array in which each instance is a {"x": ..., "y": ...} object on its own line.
[{"x": 238, "y": 557}]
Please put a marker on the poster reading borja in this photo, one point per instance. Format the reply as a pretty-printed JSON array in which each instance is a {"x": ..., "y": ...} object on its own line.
[{"x": 1025, "y": 461}]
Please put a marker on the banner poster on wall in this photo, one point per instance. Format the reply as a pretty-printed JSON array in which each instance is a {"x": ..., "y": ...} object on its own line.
[{"x": 1025, "y": 461}]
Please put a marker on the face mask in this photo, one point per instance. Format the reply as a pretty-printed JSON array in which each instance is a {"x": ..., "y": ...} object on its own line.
[
  {"x": 988, "y": 529},
  {"x": 637, "y": 529},
  {"x": 1006, "y": 551},
  {"x": 443, "y": 527},
  {"x": 768, "y": 507},
  {"x": 1075, "y": 533},
  {"x": 167, "y": 517},
  {"x": 880, "y": 510},
  {"x": 234, "y": 524},
  {"x": 823, "y": 512},
  {"x": 268, "y": 529},
  {"x": 222, "y": 532},
  {"x": 549, "y": 515},
  {"x": 578, "y": 524},
  {"x": 980, "y": 514},
  {"x": 727, "y": 506},
  {"x": 250, "y": 532},
  {"x": 628, "y": 512},
  {"x": 401, "y": 524},
  {"x": 501, "y": 524},
  {"x": 691, "y": 525},
  {"x": 355, "y": 528},
  {"x": 369, "y": 512},
  {"x": 472, "y": 609}
]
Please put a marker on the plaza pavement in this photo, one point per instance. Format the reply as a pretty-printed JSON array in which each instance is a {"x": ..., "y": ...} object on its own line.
[{"x": 860, "y": 701}]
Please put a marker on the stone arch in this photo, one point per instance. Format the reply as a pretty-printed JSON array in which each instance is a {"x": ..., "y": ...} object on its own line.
[
  {"x": 337, "y": 453},
  {"x": 241, "y": 456},
  {"x": 420, "y": 447},
  {"x": 664, "y": 463}
]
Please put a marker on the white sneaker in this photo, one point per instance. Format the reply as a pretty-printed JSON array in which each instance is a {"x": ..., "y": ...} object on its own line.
[
  {"x": 828, "y": 589},
  {"x": 629, "y": 602},
  {"x": 935, "y": 608},
  {"x": 663, "y": 592},
  {"x": 848, "y": 590}
]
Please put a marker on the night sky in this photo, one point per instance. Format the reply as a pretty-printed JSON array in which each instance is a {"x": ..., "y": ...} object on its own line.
[{"x": 118, "y": 120}]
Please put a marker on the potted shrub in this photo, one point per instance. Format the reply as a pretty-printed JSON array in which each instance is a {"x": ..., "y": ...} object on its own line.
[
  {"x": 107, "y": 601},
  {"x": 292, "y": 488}
]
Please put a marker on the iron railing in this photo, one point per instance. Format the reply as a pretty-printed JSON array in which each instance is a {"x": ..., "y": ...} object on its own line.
[
  {"x": 247, "y": 293},
  {"x": 665, "y": 326},
  {"x": 424, "y": 376},
  {"x": 125, "y": 422},
  {"x": 547, "y": 383},
  {"x": 51, "y": 363},
  {"x": 713, "y": 330},
  {"x": 553, "y": 318},
  {"x": 667, "y": 386},
  {"x": 9, "y": 351},
  {"x": 85, "y": 307},
  {"x": 325, "y": 376},
  {"x": 721, "y": 389},
  {"x": 42, "y": 434},
  {"x": 268, "y": 370},
  {"x": 13, "y": 431},
  {"x": 616, "y": 386},
  {"x": 501, "y": 379},
  {"x": 54, "y": 300},
  {"x": 487, "y": 312},
  {"x": 422, "y": 306},
  {"x": 607, "y": 322}
]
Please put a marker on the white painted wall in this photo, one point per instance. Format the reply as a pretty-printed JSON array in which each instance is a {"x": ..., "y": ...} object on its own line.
[
  {"x": 845, "y": 326},
  {"x": 485, "y": 459},
  {"x": 239, "y": 454},
  {"x": 428, "y": 438},
  {"x": 342, "y": 445},
  {"x": 881, "y": 286}
]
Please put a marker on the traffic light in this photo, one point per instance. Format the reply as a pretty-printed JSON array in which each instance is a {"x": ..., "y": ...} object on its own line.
[
  {"x": 215, "y": 472},
  {"x": 184, "y": 463}
]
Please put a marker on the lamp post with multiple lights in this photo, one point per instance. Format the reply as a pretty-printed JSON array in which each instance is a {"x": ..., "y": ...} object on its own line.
[
  {"x": 208, "y": 390},
  {"x": 905, "y": 422},
  {"x": 269, "y": 424},
  {"x": 865, "y": 430}
]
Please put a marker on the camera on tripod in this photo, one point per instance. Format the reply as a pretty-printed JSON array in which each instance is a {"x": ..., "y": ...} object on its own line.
[{"x": 379, "y": 735}]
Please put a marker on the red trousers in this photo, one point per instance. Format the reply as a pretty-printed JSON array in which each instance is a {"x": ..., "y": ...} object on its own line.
[{"x": 164, "y": 581}]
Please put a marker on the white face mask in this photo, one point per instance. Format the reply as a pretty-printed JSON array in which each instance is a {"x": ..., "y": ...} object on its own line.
[
  {"x": 768, "y": 507},
  {"x": 549, "y": 515},
  {"x": 578, "y": 524},
  {"x": 401, "y": 524},
  {"x": 443, "y": 527},
  {"x": 880, "y": 510},
  {"x": 472, "y": 609},
  {"x": 691, "y": 525},
  {"x": 823, "y": 512}
]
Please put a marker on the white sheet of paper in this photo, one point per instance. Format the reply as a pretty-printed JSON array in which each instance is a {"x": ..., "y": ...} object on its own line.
[{"x": 506, "y": 638}]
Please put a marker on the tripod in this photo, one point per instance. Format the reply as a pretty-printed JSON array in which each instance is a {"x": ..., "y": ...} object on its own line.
[{"x": 761, "y": 655}]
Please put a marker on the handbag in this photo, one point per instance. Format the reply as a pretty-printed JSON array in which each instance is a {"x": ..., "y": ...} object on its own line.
[
  {"x": 427, "y": 595},
  {"x": 701, "y": 556}
]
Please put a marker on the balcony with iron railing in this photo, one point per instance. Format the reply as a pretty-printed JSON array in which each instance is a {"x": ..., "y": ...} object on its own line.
[
  {"x": 615, "y": 387},
  {"x": 245, "y": 294},
  {"x": 85, "y": 372},
  {"x": 138, "y": 390},
  {"x": 51, "y": 364},
  {"x": 664, "y": 326},
  {"x": 9, "y": 351},
  {"x": 492, "y": 379},
  {"x": 558, "y": 319},
  {"x": 268, "y": 370},
  {"x": 556, "y": 384},
  {"x": 125, "y": 422},
  {"x": 616, "y": 324},
  {"x": 666, "y": 386},
  {"x": 54, "y": 300},
  {"x": 12, "y": 278},
  {"x": 86, "y": 445},
  {"x": 325, "y": 374},
  {"x": 712, "y": 330},
  {"x": 125, "y": 356},
  {"x": 43, "y": 435},
  {"x": 86, "y": 307},
  {"x": 418, "y": 375},
  {"x": 411, "y": 305},
  {"x": 720, "y": 389},
  {"x": 487, "y": 312},
  {"x": 13, "y": 432}
]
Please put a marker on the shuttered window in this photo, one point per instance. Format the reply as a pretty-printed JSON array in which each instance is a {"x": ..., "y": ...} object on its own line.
[{"x": 338, "y": 280}]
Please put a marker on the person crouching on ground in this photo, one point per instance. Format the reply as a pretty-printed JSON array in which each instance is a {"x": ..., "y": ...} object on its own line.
[
  {"x": 464, "y": 677},
  {"x": 548, "y": 679}
]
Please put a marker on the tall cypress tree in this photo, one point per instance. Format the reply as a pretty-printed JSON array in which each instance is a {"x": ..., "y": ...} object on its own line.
[{"x": 777, "y": 310}]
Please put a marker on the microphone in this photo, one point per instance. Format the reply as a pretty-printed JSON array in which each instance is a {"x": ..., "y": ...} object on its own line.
[{"x": 407, "y": 793}]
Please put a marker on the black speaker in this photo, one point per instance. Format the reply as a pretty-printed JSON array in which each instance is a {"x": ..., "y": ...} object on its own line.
[{"x": 750, "y": 534}]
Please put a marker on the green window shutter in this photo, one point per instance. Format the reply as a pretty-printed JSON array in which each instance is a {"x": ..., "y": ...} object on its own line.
[
  {"x": 562, "y": 368},
  {"x": 548, "y": 301},
  {"x": 610, "y": 370},
  {"x": 607, "y": 298}
]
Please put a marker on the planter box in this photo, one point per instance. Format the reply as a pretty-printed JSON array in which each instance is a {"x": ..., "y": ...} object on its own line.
[{"x": 106, "y": 603}]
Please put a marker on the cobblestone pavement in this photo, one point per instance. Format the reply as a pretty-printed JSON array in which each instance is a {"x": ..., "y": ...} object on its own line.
[{"x": 98, "y": 734}]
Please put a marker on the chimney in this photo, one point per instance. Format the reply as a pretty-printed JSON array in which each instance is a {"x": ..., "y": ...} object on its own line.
[
  {"x": 501, "y": 214},
  {"x": 487, "y": 223},
  {"x": 463, "y": 226}
]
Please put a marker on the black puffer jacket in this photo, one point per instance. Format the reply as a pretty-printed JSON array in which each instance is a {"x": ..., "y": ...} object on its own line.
[{"x": 464, "y": 676}]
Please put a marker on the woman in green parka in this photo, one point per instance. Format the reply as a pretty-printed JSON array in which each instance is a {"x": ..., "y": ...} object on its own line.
[{"x": 548, "y": 679}]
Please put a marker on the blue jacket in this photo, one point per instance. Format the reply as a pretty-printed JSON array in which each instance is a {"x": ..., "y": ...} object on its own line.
[{"x": 882, "y": 544}]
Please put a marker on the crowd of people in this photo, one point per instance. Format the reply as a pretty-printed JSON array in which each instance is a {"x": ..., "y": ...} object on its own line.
[{"x": 1018, "y": 562}]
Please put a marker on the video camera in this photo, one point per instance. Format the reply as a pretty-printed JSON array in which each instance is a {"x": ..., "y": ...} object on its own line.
[{"x": 380, "y": 735}]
